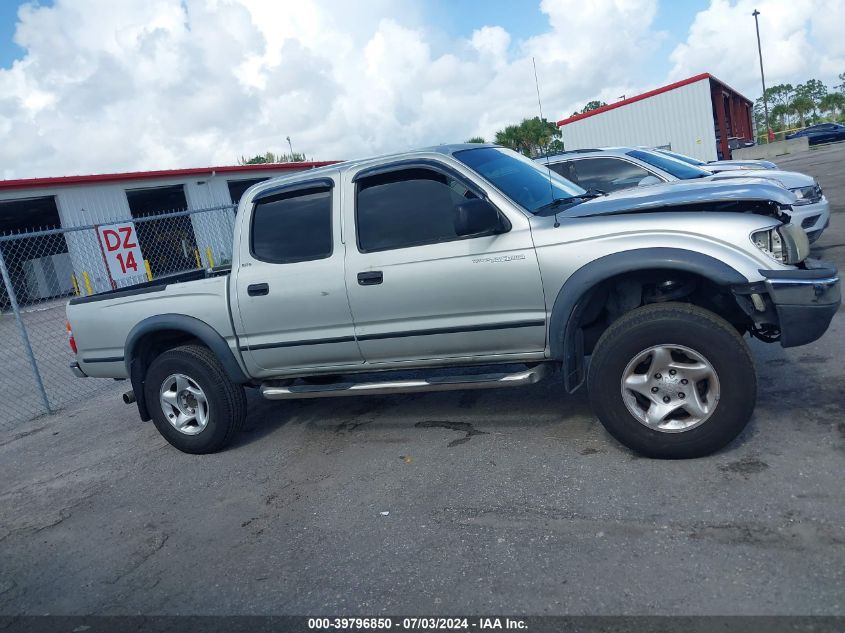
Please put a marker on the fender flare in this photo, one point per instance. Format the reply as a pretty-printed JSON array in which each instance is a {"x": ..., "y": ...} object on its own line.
[
  {"x": 181, "y": 323},
  {"x": 564, "y": 343}
]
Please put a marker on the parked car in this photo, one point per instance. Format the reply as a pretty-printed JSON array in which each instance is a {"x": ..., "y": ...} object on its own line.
[
  {"x": 459, "y": 256},
  {"x": 821, "y": 133},
  {"x": 612, "y": 169},
  {"x": 716, "y": 166}
]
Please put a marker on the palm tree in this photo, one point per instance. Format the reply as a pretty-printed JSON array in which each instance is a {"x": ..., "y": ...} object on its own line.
[
  {"x": 476, "y": 139},
  {"x": 801, "y": 106},
  {"x": 833, "y": 102},
  {"x": 531, "y": 137},
  {"x": 512, "y": 137}
]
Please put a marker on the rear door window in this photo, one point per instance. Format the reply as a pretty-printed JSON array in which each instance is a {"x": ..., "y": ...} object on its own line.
[{"x": 293, "y": 226}]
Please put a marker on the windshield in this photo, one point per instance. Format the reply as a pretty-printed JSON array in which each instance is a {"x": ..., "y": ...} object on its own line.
[
  {"x": 689, "y": 160},
  {"x": 529, "y": 184},
  {"x": 670, "y": 165}
]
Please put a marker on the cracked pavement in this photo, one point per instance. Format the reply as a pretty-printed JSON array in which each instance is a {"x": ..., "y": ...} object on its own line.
[{"x": 508, "y": 501}]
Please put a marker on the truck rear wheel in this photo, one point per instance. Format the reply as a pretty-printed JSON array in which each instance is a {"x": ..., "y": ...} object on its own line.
[
  {"x": 672, "y": 381},
  {"x": 194, "y": 404}
]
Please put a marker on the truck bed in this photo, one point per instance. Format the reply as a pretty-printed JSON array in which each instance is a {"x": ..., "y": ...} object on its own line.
[{"x": 102, "y": 323}]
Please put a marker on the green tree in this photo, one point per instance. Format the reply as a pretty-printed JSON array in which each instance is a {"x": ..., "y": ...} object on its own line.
[
  {"x": 512, "y": 136},
  {"x": 555, "y": 147},
  {"x": 834, "y": 103},
  {"x": 270, "y": 157},
  {"x": 801, "y": 106},
  {"x": 595, "y": 104},
  {"x": 814, "y": 90},
  {"x": 841, "y": 87},
  {"x": 778, "y": 117},
  {"x": 476, "y": 139},
  {"x": 530, "y": 137}
]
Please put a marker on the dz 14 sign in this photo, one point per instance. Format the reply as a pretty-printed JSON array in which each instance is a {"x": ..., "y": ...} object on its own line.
[{"x": 121, "y": 250}]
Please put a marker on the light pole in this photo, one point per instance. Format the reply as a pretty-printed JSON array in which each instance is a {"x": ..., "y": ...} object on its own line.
[
  {"x": 762, "y": 76},
  {"x": 291, "y": 146}
]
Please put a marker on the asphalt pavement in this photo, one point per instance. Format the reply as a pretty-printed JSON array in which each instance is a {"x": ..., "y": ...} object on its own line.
[{"x": 508, "y": 501}]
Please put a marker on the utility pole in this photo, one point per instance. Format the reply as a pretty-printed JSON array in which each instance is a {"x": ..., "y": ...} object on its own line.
[
  {"x": 762, "y": 76},
  {"x": 291, "y": 145}
]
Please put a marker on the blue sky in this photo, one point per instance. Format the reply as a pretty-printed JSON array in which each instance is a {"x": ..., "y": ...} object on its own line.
[
  {"x": 522, "y": 18},
  {"x": 9, "y": 51}
]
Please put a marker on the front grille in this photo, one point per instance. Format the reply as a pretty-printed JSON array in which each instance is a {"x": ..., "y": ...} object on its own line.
[{"x": 808, "y": 222}]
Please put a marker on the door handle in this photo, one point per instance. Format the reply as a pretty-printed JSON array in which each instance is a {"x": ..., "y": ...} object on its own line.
[
  {"x": 371, "y": 278},
  {"x": 258, "y": 290}
]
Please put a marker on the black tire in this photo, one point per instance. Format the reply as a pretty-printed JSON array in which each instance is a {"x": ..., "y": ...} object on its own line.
[
  {"x": 673, "y": 324},
  {"x": 226, "y": 400}
]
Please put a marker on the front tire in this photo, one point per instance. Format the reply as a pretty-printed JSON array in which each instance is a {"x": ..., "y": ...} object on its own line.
[
  {"x": 672, "y": 381},
  {"x": 194, "y": 404}
]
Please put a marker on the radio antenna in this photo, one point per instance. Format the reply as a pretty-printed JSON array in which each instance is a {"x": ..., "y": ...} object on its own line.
[{"x": 545, "y": 149}]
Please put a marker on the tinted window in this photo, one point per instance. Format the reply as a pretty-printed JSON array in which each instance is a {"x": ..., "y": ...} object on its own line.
[
  {"x": 526, "y": 182},
  {"x": 605, "y": 174},
  {"x": 293, "y": 227},
  {"x": 668, "y": 164},
  {"x": 405, "y": 208}
]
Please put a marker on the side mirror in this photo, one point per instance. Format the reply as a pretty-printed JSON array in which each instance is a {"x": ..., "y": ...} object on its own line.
[
  {"x": 477, "y": 217},
  {"x": 648, "y": 180}
]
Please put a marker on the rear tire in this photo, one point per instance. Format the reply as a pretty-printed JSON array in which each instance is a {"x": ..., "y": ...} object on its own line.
[
  {"x": 703, "y": 414},
  {"x": 194, "y": 404}
]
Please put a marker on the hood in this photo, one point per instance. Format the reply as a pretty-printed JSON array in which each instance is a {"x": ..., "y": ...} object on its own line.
[
  {"x": 789, "y": 179},
  {"x": 730, "y": 165},
  {"x": 728, "y": 194}
]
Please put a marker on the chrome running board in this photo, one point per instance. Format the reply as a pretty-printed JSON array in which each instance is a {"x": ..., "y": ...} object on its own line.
[{"x": 439, "y": 383}]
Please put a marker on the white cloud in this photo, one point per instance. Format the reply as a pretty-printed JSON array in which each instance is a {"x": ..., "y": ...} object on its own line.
[
  {"x": 140, "y": 84},
  {"x": 801, "y": 39}
]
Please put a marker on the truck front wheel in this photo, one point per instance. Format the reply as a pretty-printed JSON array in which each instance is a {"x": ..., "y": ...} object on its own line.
[
  {"x": 194, "y": 404},
  {"x": 673, "y": 381}
]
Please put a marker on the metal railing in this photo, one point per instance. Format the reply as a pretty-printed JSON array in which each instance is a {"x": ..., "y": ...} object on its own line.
[{"x": 42, "y": 269}]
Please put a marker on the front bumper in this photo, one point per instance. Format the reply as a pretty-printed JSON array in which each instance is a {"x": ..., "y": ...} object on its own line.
[
  {"x": 813, "y": 218},
  {"x": 805, "y": 300}
]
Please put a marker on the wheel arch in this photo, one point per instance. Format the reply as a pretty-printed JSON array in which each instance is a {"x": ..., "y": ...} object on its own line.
[
  {"x": 179, "y": 329},
  {"x": 564, "y": 325}
]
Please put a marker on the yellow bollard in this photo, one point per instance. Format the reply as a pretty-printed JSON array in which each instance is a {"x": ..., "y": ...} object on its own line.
[
  {"x": 148, "y": 269},
  {"x": 75, "y": 284},
  {"x": 209, "y": 256},
  {"x": 87, "y": 280},
  {"x": 197, "y": 256}
]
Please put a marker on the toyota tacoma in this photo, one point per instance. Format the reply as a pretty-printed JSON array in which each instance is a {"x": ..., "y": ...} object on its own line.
[{"x": 471, "y": 267}]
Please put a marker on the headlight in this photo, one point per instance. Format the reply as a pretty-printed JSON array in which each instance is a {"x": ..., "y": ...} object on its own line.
[
  {"x": 786, "y": 243},
  {"x": 807, "y": 195}
]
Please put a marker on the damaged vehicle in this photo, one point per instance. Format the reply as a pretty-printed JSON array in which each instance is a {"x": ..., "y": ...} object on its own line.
[
  {"x": 613, "y": 169},
  {"x": 472, "y": 267}
]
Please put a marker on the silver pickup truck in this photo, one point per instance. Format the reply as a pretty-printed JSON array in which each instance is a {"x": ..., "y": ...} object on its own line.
[{"x": 470, "y": 267}]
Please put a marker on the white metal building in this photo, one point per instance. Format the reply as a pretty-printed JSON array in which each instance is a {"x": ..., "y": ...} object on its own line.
[
  {"x": 695, "y": 116},
  {"x": 44, "y": 268}
]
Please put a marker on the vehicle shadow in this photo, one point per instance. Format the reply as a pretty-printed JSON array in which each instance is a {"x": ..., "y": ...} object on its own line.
[
  {"x": 491, "y": 411},
  {"x": 784, "y": 378}
]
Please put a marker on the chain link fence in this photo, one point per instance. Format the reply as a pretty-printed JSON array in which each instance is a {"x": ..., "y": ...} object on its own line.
[{"x": 41, "y": 270}]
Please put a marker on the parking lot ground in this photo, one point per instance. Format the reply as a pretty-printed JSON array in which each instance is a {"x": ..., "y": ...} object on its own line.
[{"x": 511, "y": 501}]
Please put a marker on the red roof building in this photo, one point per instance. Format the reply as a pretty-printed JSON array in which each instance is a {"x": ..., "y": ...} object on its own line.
[{"x": 695, "y": 116}]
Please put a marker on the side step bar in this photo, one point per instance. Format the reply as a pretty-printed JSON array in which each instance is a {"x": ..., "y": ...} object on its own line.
[{"x": 440, "y": 383}]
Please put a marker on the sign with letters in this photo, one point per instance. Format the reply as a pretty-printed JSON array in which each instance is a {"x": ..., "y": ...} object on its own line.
[{"x": 121, "y": 250}]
